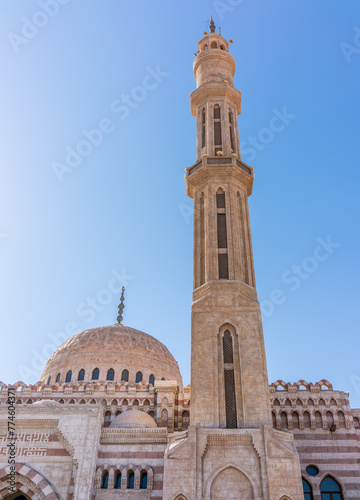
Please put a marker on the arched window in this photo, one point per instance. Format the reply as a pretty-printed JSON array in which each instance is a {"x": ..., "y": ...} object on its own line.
[
  {"x": 307, "y": 420},
  {"x": 68, "y": 376},
  {"x": 185, "y": 419},
  {"x": 318, "y": 420},
  {"x": 110, "y": 374},
  {"x": 229, "y": 377},
  {"x": 217, "y": 129},
  {"x": 284, "y": 421},
  {"x": 203, "y": 128},
  {"x": 273, "y": 419},
  {"x": 105, "y": 480},
  {"x": 213, "y": 45},
  {"x": 143, "y": 480},
  {"x": 330, "y": 418},
  {"x": 81, "y": 375},
  {"x": 138, "y": 377},
  {"x": 308, "y": 495},
  {"x": 95, "y": 374},
  {"x": 125, "y": 376},
  {"x": 356, "y": 423},
  {"x": 49, "y": 381},
  {"x": 342, "y": 421},
  {"x": 130, "y": 480},
  {"x": 330, "y": 489},
  {"x": 107, "y": 420},
  {"x": 164, "y": 418},
  {"x": 151, "y": 379},
  {"x": 117, "y": 481},
  {"x": 57, "y": 378},
  {"x": 231, "y": 128},
  {"x": 295, "y": 420}
]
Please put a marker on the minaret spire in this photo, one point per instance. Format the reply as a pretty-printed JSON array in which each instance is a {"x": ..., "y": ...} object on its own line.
[
  {"x": 212, "y": 26},
  {"x": 121, "y": 306}
]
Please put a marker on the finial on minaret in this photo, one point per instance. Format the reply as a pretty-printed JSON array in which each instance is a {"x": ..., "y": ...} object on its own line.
[
  {"x": 212, "y": 26},
  {"x": 121, "y": 306}
]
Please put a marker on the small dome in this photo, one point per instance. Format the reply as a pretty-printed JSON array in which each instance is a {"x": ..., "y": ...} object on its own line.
[
  {"x": 133, "y": 419},
  {"x": 112, "y": 348}
]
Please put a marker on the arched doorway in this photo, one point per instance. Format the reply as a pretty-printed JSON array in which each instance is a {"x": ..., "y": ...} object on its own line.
[{"x": 231, "y": 483}]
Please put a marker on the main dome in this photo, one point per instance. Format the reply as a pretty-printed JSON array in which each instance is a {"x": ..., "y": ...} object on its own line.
[{"x": 118, "y": 348}]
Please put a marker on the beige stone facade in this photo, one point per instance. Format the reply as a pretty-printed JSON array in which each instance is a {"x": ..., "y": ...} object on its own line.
[{"x": 110, "y": 417}]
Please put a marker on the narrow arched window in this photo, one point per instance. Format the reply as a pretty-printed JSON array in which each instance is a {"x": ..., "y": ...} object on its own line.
[
  {"x": 125, "y": 376},
  {"x": 110, "y": 374},
  {"x": 203, "y": 128},
  {"x": 318, "y": 420},
  {"x": 117, "y": 482},
  {"x": 295, "y": 420},
  {"x": 143, "y": 480},
  {"x": 68, "y": 376},
  {"x": 130, "y": 480},
  {"x": 185, "y": 419},
  {"x": 231, "y": 128},
  {"x": 151, "y": 379},
  {"x": 307, "y": 490},
  {"x": 105, "y": 480},
  {"x": 341, "y": 419},
  {"x": 49, "y": 381},
  {"x": 228, "y": 348},
  {"x": 138, "y": 377},
  {"x": 284, "y": 421},
  {"x": 57, "y": 378},
  {"x": 273, "y": 419},
  {"x": 95, "y": 374},
  {"x": 222, "y": 235},
  {"x": 330, "y": 489},
  {"x": 229, "y": 378},
  {"x": 214, "y": 45},
  {"x": 81, "y": 375},
  {"x": 217, "y": 129}
]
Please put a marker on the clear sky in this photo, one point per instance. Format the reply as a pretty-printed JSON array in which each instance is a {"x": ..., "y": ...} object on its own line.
[{"x": 73, "y": 228}]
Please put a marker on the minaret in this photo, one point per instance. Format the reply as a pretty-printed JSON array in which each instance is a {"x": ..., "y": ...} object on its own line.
[
  {"x": 230, "y": 450},
  {"x": 229, "y": 384}
]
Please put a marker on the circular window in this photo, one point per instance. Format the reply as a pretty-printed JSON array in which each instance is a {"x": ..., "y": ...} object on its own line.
[{"x": 312, "y": 470}]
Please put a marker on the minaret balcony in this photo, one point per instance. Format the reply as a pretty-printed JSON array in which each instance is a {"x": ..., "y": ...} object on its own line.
[{"x": 210, "y": 168}]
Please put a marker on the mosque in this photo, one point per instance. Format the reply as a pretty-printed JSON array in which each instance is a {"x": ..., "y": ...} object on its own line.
[{"x": 110, "y": 418}]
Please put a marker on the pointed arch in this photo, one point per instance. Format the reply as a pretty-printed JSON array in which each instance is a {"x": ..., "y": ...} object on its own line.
[
  {"x": 330, "y": 488},
  {"x": 218, "y": 470},
  {"x": 28, "y": 481},
  {"x": 307, "y": 489}
]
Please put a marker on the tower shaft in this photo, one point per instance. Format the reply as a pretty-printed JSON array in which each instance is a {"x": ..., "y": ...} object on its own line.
[{"x": 229, "y": 382}]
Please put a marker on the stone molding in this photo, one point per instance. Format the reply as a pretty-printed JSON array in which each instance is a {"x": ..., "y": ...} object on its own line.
[{"x": 134, "y": 436}]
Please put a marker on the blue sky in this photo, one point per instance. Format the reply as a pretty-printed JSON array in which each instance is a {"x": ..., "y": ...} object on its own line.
[{"x": 120, "y": 214}]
